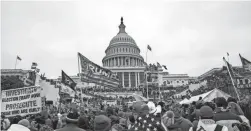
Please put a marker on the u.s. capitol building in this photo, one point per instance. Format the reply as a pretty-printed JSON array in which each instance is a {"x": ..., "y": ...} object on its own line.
[{"x": 123, "y": 58}]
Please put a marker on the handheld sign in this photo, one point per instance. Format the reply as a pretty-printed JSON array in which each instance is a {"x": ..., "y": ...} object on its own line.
[{"x": 21, "y": 101}]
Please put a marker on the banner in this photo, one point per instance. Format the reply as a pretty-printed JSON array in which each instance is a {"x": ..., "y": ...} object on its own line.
[
  {"x": 93, "y": 73},
  {"x": 21, "y": 101},
  {"x": 67, "y": 90}
]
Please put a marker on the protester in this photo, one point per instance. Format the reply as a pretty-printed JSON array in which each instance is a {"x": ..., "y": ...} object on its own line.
[
  {"x": 71, "y": 123},
  {"x": 234, "y": 107},
  {"x": 130, "y": 121},
  {"x": 141, "y": 116},
  {"x": 196, "y": 114},
  {"x": 22, "y": 125},
  {"x": 150, "y": 120},
  {"x": 83, "y": 123},
  {"x": 102, "y": 123},
  {"x": 206, "y": 121},
  {"x": 167, "y": 122},
  {"x": 117, "y": 127},
  {"x": 183, "y": 123},
  {"x": 223, "y": 116},
  {"x": 5, "y": 122},
  {"x": 41, "y": 126}
]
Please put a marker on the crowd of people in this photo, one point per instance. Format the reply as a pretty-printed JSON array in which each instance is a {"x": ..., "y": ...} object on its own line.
[{"x": 218, "y": 115}]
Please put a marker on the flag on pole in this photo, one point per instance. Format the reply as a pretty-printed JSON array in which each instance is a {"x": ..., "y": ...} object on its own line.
[
  {"x": 246, "y": 64},
  {"x": 229, "y": 67},
  {"x": 164, "y": 66},
  {"x": 19, "y": 58},
  {"x": 231, "y": 74},
  {"x": 149, "y": 48},
  {"x": 34, "y": 65},
  {"x": 158, "y": 65},
  {"x": 93, "y": 73},
  {"x": 66, "y": 80}
]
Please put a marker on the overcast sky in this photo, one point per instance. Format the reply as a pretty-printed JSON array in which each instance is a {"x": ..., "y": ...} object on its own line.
[{"x": 187, "y": 37}]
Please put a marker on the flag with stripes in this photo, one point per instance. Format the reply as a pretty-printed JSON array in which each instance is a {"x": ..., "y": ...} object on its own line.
[
  {"x": 148, "y": 122},
  {"x": 93, "y": 73},
  {"x": 246, "y": 64},
  {"x": 66, "y": 80}
]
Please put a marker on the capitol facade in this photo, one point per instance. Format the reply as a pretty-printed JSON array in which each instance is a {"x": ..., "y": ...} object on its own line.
[{"x": 123, "y": 58}]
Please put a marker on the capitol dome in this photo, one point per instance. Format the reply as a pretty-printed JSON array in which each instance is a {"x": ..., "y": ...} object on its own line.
[
  {"x": 122, "y": 45},
  {"x": 123, "y": 57}
]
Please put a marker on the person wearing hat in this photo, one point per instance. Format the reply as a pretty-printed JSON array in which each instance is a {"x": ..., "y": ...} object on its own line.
[
  {"x": 148, "y": 119},
  {"x": 167, "y": 121},
  {"x": 206, "y": 121},
  {"x": 183, "y": 123},
  {"x": 140, "y": 108},
  {"x": 123, "y": 122},
  {"x": 102, "y": 123},
  {"x": 83, "y": 122},
  {"x": 71, "y": 123},
  {"x": 223, "y": 116}
]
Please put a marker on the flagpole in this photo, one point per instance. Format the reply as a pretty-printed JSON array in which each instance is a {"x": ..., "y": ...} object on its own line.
[
  {"x": 228, "y": 57},
  {"x": 146, "y": 75},
  {"x": 159, "y": 84},
  {"x": 232, "y": 80},
  {"x": 16, "y": 63},
  {"x": 79, "y": 75}
]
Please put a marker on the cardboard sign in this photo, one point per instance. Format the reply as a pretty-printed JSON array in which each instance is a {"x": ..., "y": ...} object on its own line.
[{"x": 21, "y": 101}]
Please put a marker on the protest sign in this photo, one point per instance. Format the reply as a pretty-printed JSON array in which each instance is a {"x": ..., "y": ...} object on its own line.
[{"x": 21, "y": 101}]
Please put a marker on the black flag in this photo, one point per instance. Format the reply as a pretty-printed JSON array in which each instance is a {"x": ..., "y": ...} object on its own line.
[{"x": 66, "y": 80}]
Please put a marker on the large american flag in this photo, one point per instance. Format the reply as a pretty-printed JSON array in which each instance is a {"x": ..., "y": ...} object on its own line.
[{"x": 149, "y": 122}]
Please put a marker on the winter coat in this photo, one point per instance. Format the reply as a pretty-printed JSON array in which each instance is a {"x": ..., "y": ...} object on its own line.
[
  {"x": 226, "y": 118},
  {"x": 208, "y": 125},
  {"x": 183, "y": 123},
  {"x": 70, "y": 127}
]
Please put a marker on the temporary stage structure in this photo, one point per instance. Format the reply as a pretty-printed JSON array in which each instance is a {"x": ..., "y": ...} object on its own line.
[{"x": 206, "y": 97}]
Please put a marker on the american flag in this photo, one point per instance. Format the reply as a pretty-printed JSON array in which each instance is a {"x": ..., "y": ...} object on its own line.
[{"x": 149, "y": 122}]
